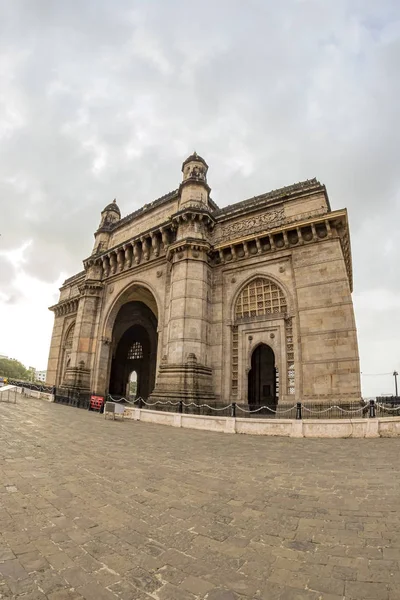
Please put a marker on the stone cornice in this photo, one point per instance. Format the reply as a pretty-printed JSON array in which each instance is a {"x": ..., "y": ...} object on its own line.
[
  {"x": 193, "y": 212},
  {"x": 290, "y": 192},
  {"x": 196, "y": 247},
  {"x": 91, "y": 287},
  {"x": 194, "y": 180},
  {"x": 65, "y": 307},
  {"x": 288, "y": 236}
]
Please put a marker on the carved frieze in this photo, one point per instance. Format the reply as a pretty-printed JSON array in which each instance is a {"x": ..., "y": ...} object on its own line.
[{"x": 261, "y": 222}]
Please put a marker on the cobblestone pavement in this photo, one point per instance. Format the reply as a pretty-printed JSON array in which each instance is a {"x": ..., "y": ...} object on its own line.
[{"x": 100, "y": 510}]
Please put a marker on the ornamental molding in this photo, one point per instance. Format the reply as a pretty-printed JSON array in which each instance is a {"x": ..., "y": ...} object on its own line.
[
  {"x": 91, "y": 288},
  {"x": 261, "y": 222},
  {"x": 66, "y": 307}
]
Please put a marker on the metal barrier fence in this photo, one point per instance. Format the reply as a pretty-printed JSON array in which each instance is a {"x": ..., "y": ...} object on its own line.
[
  {"x": 71, "y": 397},
  {"x": 48, "y": 389},
  {"x": 299, "y": 410},
  {"x": 381, "y": 407}
]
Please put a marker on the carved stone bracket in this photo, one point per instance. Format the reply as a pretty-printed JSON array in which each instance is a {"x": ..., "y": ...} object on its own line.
[
  {"x": 66, "y": 307},
  {"x": 91, "y": 288}
]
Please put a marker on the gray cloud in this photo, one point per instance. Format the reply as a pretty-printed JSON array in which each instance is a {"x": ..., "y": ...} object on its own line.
[{"x": 105, "y": 99}]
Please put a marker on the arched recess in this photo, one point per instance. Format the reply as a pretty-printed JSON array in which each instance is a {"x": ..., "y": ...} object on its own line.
[
  {"x": 262, "y": 300},
  {"x": 139, "y": 292},
  {"x": 131, "y": 319},
  {"x": 66, "y": 352},
  {"x": 134, "y": 349},
  {"x": 263, "y": 383}
]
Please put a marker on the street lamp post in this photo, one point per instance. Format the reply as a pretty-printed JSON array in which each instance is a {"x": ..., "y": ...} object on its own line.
[{"x": 395, "y": 374}]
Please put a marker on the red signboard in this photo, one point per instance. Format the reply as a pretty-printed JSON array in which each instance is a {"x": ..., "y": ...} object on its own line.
[{"x": 96, "y": 403}]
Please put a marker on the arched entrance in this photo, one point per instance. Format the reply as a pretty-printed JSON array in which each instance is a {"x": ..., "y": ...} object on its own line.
[
  {"x": 262, "y": 378},
  {"x": 134, "y": 349}
]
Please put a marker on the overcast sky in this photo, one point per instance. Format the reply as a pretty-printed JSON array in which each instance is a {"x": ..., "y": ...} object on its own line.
[{"x": 102, "y": 99}]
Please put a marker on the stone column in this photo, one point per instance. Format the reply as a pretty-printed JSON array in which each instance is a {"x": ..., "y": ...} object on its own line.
[
  {"x": 187, "y": 375},
  {"x": 84, "y": 344}
]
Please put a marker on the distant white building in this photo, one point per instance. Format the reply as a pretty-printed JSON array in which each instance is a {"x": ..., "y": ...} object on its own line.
[{"x": 40, "y": 375}]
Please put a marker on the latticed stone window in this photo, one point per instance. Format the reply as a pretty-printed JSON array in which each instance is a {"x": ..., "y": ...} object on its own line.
[
  {"x": 69, "y": 337},
  {"x": 260, "y": 297},
  {"x": 135, "y": 351}
]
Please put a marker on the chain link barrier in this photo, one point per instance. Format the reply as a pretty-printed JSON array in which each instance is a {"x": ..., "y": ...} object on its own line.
[
  {"x": 381, "y": 406},
  {"x": 234, "y": 406}
]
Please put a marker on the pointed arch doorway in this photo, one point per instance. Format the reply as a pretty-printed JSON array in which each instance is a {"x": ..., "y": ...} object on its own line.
[{"x": 263, "y": 382}]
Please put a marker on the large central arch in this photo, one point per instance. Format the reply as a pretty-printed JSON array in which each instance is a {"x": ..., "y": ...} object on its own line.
[{"x": 134, "y": 348}]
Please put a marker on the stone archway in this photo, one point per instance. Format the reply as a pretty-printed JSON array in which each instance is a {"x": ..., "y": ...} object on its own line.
[
  {"x": 262, "y": 378},
  {"x": 134, "y": 348},
  {"x": 66, "y": 354}
]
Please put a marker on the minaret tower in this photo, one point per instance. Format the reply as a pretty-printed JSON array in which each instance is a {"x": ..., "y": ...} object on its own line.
[
  {"x": 194, "y": 189},
  {"x": 110, "y": 215},
  {"x": 186, "y": 373}
]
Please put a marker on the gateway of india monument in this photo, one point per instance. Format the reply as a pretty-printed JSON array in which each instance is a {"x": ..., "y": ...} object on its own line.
[{"x": 249, "y": 303}]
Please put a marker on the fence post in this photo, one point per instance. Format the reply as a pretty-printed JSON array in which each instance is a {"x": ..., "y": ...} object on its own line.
[
  {"x": 298, "y": 411},
  {"x": 233, "y": 409},
  {"x": 372, "y": 413},
  {"x": 140, "y": 402},
  {"x": 180, "y": 409}
]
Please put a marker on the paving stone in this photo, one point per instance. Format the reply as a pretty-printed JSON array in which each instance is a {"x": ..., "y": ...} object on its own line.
[
  {"x": 196, "y": 586},
  {"x": 178, "y": 520},
  {"x": 6, "y": 554},
  {"x": 219, "y": 594},
  {"x": 296, "y": 594},
  {"x": 143, "y": 580},
  {"x": 33, "y": 561},
  {"x": 171, "y": 592},
  {"x": 76, "y": 577},
  {"x": 366, "y": 591},
  {"x": 35, "y": 595},
  {"x": 169, "y": 574},
  {"x": 13, "y": 569},
  {"x": 94, "y": 591},
  {"x": 330, "y": 586},
  {"x": 60, "y": 560},
  {"x": 126, "y": 591}
]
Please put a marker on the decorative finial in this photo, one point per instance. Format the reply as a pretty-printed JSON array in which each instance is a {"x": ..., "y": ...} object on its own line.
[{"x": 115, "y": 201}]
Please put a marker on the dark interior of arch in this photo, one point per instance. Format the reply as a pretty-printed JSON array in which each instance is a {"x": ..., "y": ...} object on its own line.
[
  {"x": 134, "y": 349},
  {"x": 262, "y": 379}
]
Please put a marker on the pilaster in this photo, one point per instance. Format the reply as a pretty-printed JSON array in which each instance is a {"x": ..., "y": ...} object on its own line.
[{"x": 78, "y": 374}]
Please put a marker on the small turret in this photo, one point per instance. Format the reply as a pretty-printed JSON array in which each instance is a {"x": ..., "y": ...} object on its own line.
[
  {"x": 109, "y": 215},
  {"x": 194, "y": 189}
]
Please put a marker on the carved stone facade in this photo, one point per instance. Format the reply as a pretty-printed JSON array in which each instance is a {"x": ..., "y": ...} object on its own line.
[{"x": 249, "y": 303}]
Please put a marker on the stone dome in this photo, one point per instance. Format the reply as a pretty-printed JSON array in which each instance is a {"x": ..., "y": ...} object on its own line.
[
  {"x": 113, "y": 206},
  {"x": 194, "y": 158}
]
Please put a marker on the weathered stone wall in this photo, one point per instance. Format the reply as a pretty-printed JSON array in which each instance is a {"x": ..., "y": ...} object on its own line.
[
  {"x": 142, "y": 223},
  {"x": 228, "y": 281},
  {"x": 327, "y": 330}
]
